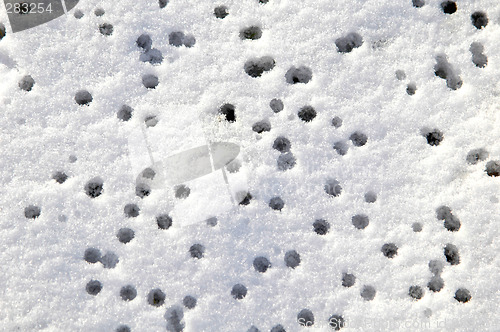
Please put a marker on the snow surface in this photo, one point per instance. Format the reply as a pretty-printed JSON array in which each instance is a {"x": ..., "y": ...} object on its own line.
[{"x": 396, "y": 179}]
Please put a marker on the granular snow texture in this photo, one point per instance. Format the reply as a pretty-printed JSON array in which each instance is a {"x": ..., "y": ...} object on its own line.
[{"x": 365, "y": 195}]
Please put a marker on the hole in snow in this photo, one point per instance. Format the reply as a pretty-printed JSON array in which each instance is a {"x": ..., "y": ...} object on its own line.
[
  {"x": 156, "y": 297},
  {"x": 178, "y": 38},
  {"x": 307, "y": 113},
  {"x": 150, "y": 81},
  {"x": 416, "y": 292},
  {"x": 449, "y": 7},
  {"x": 411, "y": 88},
  {"x": 189, "y": 301},
  {"x": 83, "y": 97},
  {"x": 493, "y": 168},
  {"x": 131, "y": 210},
  {"x": 451, "y": 254},
  {"x": 144, "y": 41},
  {"x": 92, "y": 255},
  {"x": 162, "y": 3},
  {"x": 261, "y": 264},
  {"x": 182, "y": 191},
  {"x": 360, "y": 221},
  {"x": 32, "y": 212},
  {"x": 261, "y": 126},
  {"x": 174, "y": 316},
  {"x": 109, "y": 260},
  {"x": 286, "y": 161},
  {"x": 305, "y": 317},
  {"x": 282, "y": 144},
  {"x": 99, "y": 12},
  {"x": 336, "y": 122},
  {"x": 93, "y": 287},
  {"x": 164, "y": 221},
  {"x": 358, "y": 138},
  {"x": 221, "y": 12},
  {"x": 125, "y": 113},
  {"x": 292, "y": 259},
  {"x": 252, "y": 32},
  {"x": 239, "y": 291},
  {"x": 257, "y": 66},
  {"x": 368, "y": 292},
  {"x": 476, "y": 155},
  {"x": 433, "y": 136},
  {"x": 444, "y": 70},
  {"x": 128, "y": 293},
  {"x": 300, "y": 74},
  {"x": 370, "y": 197},
  {"x": 341, "y": 147},
  {"x": 321, "y": 226},
  {"x": 78, "y": 14},
  {"x": 389, "y": 250},
  {"x": 349, "y": 42},
  {"x": 106, "y": 29},
  {"x": 142, "y": 190},
  {"x": 436, "y": 284},
  {"x": 336, "y": 322},
  {"x": 228, "y": 110},
  {"x": 479, "y": 20},
  {"x": 418, "y": 3},
  {"x": 348, "y": 280},
  {"x": 478, "y": 57},
  {"x": 123, "y": 328},
  {"x": 94, "y": 187},
  {"x": 462, "y": 295},
  {"x": 417, "y": 227},
  {"x": 333, "y": 188},
  {"x": 276, "y": 105},
  {"x": 276, "y": 203},
  {"x": 125, "y": 235},
  {"x": 26, "y": 83},
  {"x": 197, "y": 250}
]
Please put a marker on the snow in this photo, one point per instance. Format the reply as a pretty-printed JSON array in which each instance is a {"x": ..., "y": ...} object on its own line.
[{"x": 388, "y": 171}]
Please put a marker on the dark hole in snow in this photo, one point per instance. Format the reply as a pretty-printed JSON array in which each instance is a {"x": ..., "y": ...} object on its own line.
[
  {"x": 389, "y": 250},
  {"x": 228, "y": 110},
  {"x": 256, "y": 67},
  {"x": 276, "y": 105},
  {"x": 156, "y": 297},
  {"x": 94, "y": 187},
  {"x": 32, "y": 212},
  {"x": 292, "y": 259},
  {"x": 93, "y": 287},
  {"x": 125, "y": 113},
  {"x": 349, "y": 42},
  {"x": 286, "y": 161},
  {"x": 479, "y": 20},
  {"x": 261, "y": 264},
  {"x": 252, "y": 32},
  {"x": 305, "y": 317},
  {"x": 164, "y": 221},
  {"x": 451, "y": 254},
  {"x": 221, "y": 12},
  {"x": 26, "y": 83},
  {"x": 300, "y": 74},
  {"x": 239, "y": 291},
  {"x": 83, "y": 97},
  {"x": 128, "y": 293},
  {"x": 197, "y": 250},
  {"x": 321, "y": 226},
  {"x": 131, "y": 210},
  {"x": 416, "y": 292},
  {"x": 125, "y": 235}
]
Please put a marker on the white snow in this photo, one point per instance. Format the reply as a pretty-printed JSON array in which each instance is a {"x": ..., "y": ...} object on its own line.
[{"x": 44, "y": 276}]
